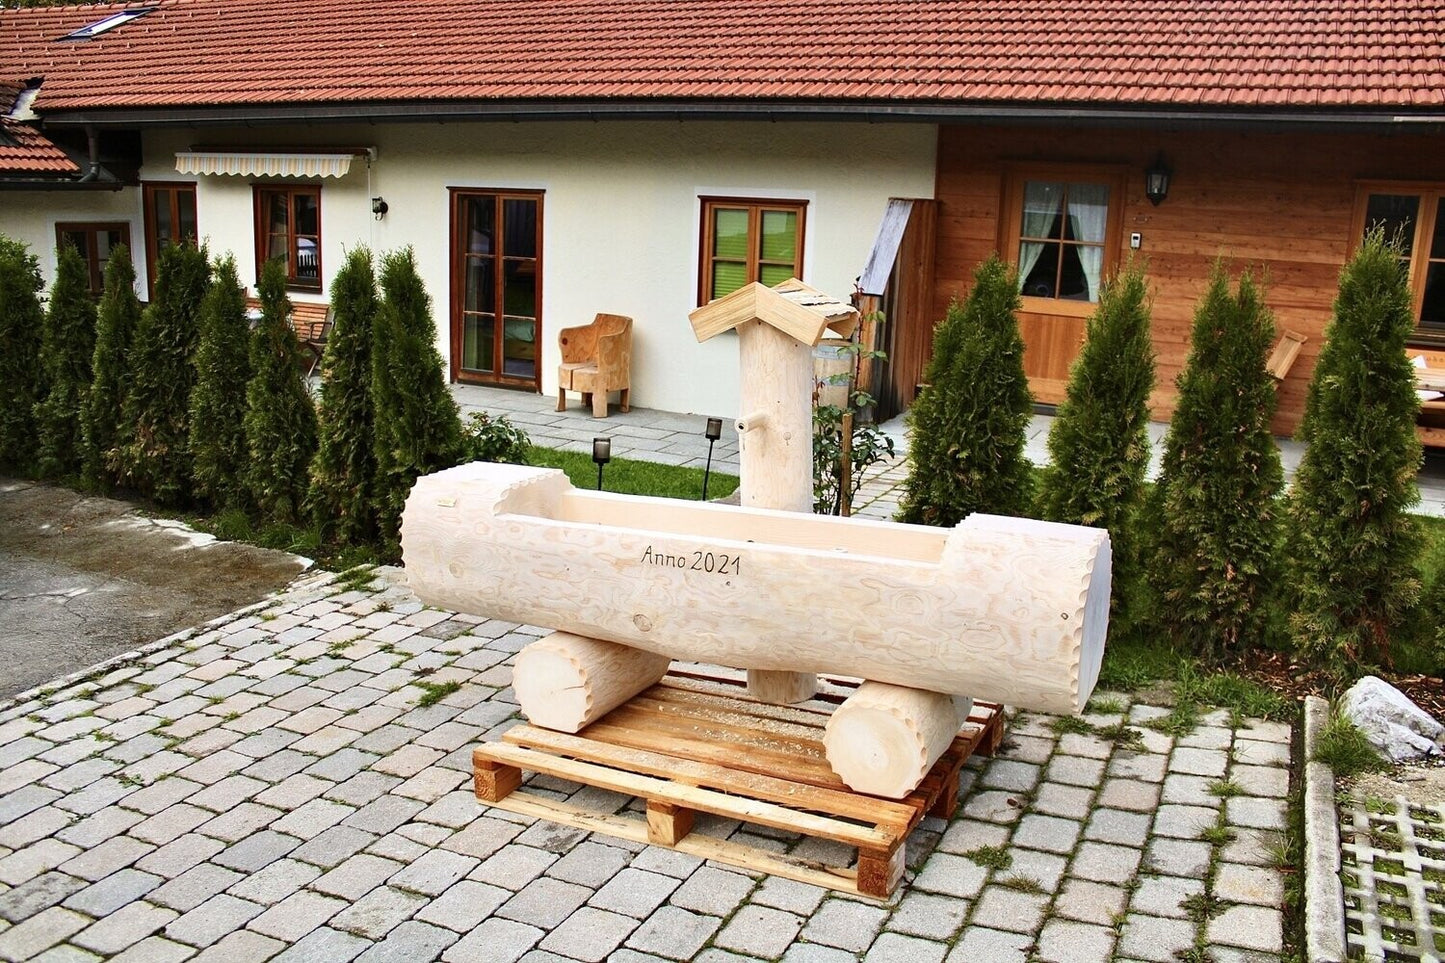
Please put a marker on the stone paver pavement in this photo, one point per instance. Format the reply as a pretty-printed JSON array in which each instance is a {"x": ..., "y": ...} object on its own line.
[{"x": 271, "y": 787}]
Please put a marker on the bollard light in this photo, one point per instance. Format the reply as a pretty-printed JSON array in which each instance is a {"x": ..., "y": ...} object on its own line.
[
  {"x": 601, "y": 454},
  {"x": 712, "y": 434}
]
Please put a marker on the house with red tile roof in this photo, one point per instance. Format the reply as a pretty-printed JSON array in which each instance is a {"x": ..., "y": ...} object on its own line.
[{"x": 548, "y": 161}]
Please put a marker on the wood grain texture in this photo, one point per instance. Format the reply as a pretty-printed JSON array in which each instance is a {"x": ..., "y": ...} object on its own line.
[
  {"x": 564, "y": 681},
  {"x": 885, "y": 738},
  {"x": 1283, "y": 203},
  {"x": 1005, "y": 609}
]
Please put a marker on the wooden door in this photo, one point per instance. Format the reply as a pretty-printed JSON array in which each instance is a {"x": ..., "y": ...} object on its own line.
[{"x": 496, "y": 316}]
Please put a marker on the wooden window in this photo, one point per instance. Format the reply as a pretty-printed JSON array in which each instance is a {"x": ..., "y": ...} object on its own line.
[
  {"x": 288, "y": 226},
  {"x": 1410, "y": 216},
  {"x": 1060, "y": 226},
  {"x": 748, "y": 240},
  {"x": 94, "y": 241},
  {"x": 170, "y": 217}
]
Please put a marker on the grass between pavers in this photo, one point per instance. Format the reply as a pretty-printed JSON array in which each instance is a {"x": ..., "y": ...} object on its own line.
[{"x": 629, "y": 476}]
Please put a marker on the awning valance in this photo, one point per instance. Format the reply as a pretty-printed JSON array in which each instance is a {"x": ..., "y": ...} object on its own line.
[{"x": 267, "y": 164}]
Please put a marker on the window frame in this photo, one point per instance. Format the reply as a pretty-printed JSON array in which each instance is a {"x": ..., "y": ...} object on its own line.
[
  {"x": 755, "y": 206},
  {"x": 1010, "y": 222},
  {"x": 1428, "y": 192},
  {"x": 262, "y": 231},
  {"x": 92, "y": 248},
  {"x": 153, "y": 249},
  {"x": 456, "y": 260}
]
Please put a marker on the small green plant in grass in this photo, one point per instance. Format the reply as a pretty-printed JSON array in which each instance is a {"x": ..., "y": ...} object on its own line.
[
  {"x": 1181, "y": 720},
  {"x": 1217, "y": 835},
  {"x": 1225, "y": 788},
  {"x": 127, "y": 779},
  {"x": 1023, "y": 884},
  {"x": 434, "y": 692},
  {"x": 1201, "y": 907},
  {"x": 1071, "y": 725},
  {"x": 494, "y": 438},
  {"x": 1123, "y": 735},
  {"x": 990, "y": 857},
  {"x": 1379, "y": 806},
  {"x": 356, "y": 579},
  {"x": 1104, "y": 707},
  {"x": 1344, "y": 748}
]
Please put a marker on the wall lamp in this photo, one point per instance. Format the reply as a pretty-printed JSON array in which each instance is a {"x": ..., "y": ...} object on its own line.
[
  {"x": 379, "y": 207},
  {"x": 1156, "y": 180}
]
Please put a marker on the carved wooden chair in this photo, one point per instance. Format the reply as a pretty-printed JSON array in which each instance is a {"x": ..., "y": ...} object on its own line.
[{"x": 596, "y": 359}]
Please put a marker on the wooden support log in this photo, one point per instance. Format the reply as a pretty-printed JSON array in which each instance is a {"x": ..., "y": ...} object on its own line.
[
  {"x": 884, "y": 739},
  {"x": 565, "y": 681},
  {"x": 781, "y": 687}
]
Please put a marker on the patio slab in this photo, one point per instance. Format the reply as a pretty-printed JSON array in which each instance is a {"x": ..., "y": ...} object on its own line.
[{"x": 289, "y": 818}]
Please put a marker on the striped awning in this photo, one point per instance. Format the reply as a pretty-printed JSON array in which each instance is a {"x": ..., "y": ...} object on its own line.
[{"x": 263, "y": 164}]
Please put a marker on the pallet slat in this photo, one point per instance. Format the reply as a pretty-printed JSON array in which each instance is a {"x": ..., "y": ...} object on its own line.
[
  {"x": 693, "y": 797},
  {"x": 698, "y": 744},
  {"x": 721, "y": 778}
]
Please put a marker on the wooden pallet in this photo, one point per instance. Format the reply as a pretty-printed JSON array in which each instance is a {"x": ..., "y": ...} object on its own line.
[{"x": 695, "y": 744}]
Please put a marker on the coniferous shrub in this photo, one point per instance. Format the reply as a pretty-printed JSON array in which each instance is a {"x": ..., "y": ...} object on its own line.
[
  {"x": 155, "y": 458},
  {"x": 280, "y": 419},
  {"x": 1214, "y": 507},
  {"x": 344, "y": 470},
  {"x": 418, "y": 429},
  {"x": 219, "y": 456},
  {"x": 21, "y": 323},
  {"x": 1352, "y": 544},
  {"x": 115, "y": 327},
  {"x": 66, "y": 347},
  {"x": 969, "y": 424},
  {"x": 1099, "y": 443}
]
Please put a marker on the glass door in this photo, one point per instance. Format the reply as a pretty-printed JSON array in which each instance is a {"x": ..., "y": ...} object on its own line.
[{"x": 496, "y": 287}]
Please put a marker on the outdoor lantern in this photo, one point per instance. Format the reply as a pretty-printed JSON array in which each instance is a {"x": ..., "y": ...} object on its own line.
[
  {"x": 379, "y": 207},
  {"x": 602, "y": 454},
  {"x": 712, "y": 434},
  {"x": 1156, "y": 181}
]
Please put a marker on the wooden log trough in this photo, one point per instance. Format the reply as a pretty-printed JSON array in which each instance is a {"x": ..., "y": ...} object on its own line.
[{"x": 920, "y": 620}]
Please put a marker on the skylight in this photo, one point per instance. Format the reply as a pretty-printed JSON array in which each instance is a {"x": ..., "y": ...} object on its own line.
[{"x": 99, "y": 27}]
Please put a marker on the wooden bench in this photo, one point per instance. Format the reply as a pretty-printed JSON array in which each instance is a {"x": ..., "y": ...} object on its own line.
[{"x": 312, "y": 324}]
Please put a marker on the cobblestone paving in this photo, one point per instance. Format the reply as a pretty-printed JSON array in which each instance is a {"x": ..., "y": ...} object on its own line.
[
  {"x": 1393, "y": 869},
  {"x": 271, "y": 787}
]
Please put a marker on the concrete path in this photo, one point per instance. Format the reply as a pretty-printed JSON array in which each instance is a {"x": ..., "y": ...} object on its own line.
[
  {"x": 677, "y": 439},
  {"x": 84, "y": 578},
  {"x": 270, "y": 787}
]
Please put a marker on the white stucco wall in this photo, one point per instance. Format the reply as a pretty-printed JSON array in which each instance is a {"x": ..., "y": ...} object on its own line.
[{"x": 620, "y": 215}]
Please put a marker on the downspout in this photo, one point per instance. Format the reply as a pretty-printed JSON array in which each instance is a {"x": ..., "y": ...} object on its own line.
[{"x": 93, "y": 142}]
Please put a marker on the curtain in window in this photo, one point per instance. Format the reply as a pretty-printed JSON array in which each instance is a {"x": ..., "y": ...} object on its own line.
[
  {"x": 1041, "y": 207},
  {"x": 1089, "y": 217}
]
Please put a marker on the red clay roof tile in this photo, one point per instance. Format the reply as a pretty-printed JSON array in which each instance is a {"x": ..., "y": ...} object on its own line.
[
  {"x": 1224, "y": 53},
  {"x": 24, "y": 150}
]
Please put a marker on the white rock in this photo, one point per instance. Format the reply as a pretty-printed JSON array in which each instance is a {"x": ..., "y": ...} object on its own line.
[{"x": 1396, "y": 726}]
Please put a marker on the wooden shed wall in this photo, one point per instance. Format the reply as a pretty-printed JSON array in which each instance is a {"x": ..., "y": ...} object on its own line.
[{"x": 1283, "y": 203}]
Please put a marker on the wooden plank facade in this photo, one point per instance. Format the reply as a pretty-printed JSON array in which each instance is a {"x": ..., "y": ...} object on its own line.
[{"x": 1286, "y": 204}]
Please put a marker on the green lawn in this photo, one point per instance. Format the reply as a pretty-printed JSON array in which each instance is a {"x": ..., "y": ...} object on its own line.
[{"x": 630, "y": 477}]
